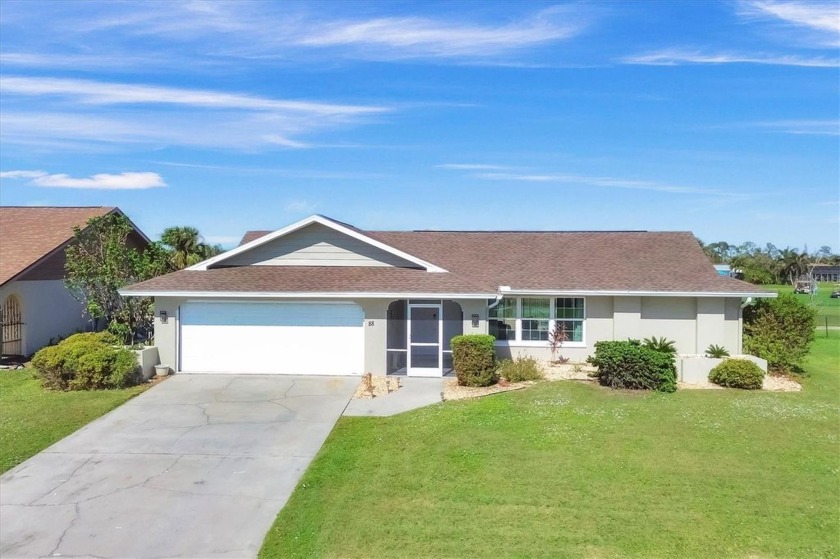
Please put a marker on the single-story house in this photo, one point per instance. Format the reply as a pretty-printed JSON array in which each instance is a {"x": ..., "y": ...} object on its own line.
[
  {"x": 825, "y": 272},
  {"x": 36, "y": 305},
  {"x": 323, "y": 297}
]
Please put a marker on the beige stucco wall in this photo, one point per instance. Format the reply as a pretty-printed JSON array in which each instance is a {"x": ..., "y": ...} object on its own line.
[
  {"x": 48, "y": 311},
  {"x": 693, "y": 323},
  {"x": 166, "y": 334},
  {"x": 375, "y": 326},
  {"x": 674, "y": 318},
  {"x": 733, "y": 326}
]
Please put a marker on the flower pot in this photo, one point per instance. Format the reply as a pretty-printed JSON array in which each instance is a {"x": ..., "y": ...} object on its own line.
[{"x": 161, "y": 370}]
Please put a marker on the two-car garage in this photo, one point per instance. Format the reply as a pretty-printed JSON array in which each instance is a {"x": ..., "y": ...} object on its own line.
[{"x": 297, "y": 338}]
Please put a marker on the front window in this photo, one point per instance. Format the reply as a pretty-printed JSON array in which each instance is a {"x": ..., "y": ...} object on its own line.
[
  {"x": 531, "y": 319},
  {"x": 570, "y": 315},
  {"x": 502, "y": 320},
  {"x": 535, "y": 316}
]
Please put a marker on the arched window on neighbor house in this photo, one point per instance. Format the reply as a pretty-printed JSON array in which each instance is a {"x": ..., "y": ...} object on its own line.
[{"x": 11, "y": 331}]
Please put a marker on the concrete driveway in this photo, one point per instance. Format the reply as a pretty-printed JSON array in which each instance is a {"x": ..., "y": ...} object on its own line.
[{"x": 197, "y": 466}]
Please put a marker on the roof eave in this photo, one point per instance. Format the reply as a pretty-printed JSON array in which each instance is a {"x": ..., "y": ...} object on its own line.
[
  {"x": 633, "y": 293},
  {"x": 304, "y": 294}
]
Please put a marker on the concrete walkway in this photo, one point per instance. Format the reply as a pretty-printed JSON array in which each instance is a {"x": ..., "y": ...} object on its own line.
[
  {"x": 415, "y": 393},
  {"x": 198, "y": 466}
]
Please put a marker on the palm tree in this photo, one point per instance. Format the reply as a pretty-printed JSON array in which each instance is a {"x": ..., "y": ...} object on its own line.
[
  {"x": 187, "y": 246},
  {"x": 792, "y": 264}
]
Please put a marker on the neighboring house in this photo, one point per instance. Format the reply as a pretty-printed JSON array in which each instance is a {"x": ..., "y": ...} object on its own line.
[
  {"x": 36, "y": 305},
  {"x": 825, "y": 272},
  {"x": 723, "y": 270},
  {"x": 323, "y": 297}
]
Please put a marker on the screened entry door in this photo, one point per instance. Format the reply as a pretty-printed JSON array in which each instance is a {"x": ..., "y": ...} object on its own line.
[{"x": 424, "y": 340}]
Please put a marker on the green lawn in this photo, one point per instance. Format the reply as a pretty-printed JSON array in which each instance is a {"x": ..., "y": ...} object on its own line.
[
  {"x": 828, "y": 309},
  {"x": 573, "y": 470},
  {"x": 32, "y": 418}
]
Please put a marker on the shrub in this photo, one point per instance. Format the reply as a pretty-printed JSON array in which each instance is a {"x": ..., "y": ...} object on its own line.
[
  {"x": 629, "y": 364},
  {"x": 521, "y": 368},
  {"x": 556, "y": 337},
  {"x": 716, "y": 351},
  {"x": 779, "y": 330},
  {"x": 86, "y": 362},
  {"x": 738, "y": 373},
  {"x": 474, "y": 359},
  {"x": 662, "y": 345}
]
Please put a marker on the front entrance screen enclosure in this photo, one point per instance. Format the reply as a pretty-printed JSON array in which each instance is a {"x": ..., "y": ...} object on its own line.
[{"x": 419, "y": 334}]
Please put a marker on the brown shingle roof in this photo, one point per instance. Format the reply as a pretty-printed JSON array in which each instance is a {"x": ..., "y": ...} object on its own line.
[
  {"x": 603, "y": 261},
  {"x": 483, "y": 261},
  {"x": 28, "y": 234},
  {"x": 310, "y": 279}
]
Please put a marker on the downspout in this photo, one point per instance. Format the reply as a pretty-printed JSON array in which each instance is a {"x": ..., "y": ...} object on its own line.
[{"x": 499, "y": 296}]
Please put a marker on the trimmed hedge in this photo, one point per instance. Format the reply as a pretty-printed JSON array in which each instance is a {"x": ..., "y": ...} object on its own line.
[
  {"x": 738, "y": 373},
  {"x": 474, "y": 359},
  {"x": 628, "y": 364},
  {"x": 86, "y": 362}
]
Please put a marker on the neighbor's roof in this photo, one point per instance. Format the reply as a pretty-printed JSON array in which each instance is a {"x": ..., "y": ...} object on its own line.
[
  {"x": 487, "y": 262},
  {"x": 30, "y": 234}
]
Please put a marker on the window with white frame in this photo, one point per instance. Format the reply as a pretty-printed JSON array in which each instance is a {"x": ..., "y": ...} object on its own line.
[
  {"x": 502, "y": 320},
  {"x": 535, "y": 314},
  {"x": 569, "y": 314},
  {"x": 530, "y": 319}
]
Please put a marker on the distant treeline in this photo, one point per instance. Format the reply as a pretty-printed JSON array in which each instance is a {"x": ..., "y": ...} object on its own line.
[{"x": 768, "y": 264}]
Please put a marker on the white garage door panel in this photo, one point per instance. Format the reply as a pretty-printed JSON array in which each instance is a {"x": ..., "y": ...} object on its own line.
[{"x": 272, "y": 338}]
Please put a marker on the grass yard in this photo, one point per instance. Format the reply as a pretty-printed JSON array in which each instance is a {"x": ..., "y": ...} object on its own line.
[
  {"x": 828, "y": 309},
  {"x": 573, "y": 470},
  {"x": 32, "y": 418}
]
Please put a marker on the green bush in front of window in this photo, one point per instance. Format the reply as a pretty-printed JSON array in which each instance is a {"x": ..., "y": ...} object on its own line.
[
  {"x": 474, "y": 359},
  {"x": 628, "y": 364}
]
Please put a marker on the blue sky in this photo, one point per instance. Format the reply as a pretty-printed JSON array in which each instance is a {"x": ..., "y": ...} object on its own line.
[{"x": 719, "y": 118}]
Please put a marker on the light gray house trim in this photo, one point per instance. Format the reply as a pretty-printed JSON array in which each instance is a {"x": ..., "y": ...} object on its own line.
[{"x": 317, "y": 245}]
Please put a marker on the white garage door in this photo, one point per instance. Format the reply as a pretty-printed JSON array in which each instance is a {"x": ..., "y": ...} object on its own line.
[{"x": 277, "y": 338}]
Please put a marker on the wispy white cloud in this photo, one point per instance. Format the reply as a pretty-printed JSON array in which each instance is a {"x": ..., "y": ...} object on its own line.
[
  {"x": 282, "y": 32},
  {"x": 100, "y": 181},
  {"x": 299, "y": 206},
  {"x": 597, "y": 181},
  {"x": 472, "y": 167},
  {"x": 71, "y": 110},
  {"x": 675, "y": 57},
  {"x": 105, "y": 93},
  {"x": 425, "y": 37},
  {"x": 610, "y": 182},
  {"x": 805, "y": 127},
  {"x": 21, "y": 174},
  {"x": 822, "y": 19},
  {"x": 118, "y": 63}
]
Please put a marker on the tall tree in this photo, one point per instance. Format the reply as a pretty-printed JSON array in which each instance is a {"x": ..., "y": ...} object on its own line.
[
  {"x": 792, "y": 264},
  {"x": 187, "y": 246},
  {"x": 100, "y": 261}
]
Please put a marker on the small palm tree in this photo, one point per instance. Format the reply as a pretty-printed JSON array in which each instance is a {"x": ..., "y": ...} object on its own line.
[
  {"x": 662, "y": 344},
  {"x": 716, "y": 351}
]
